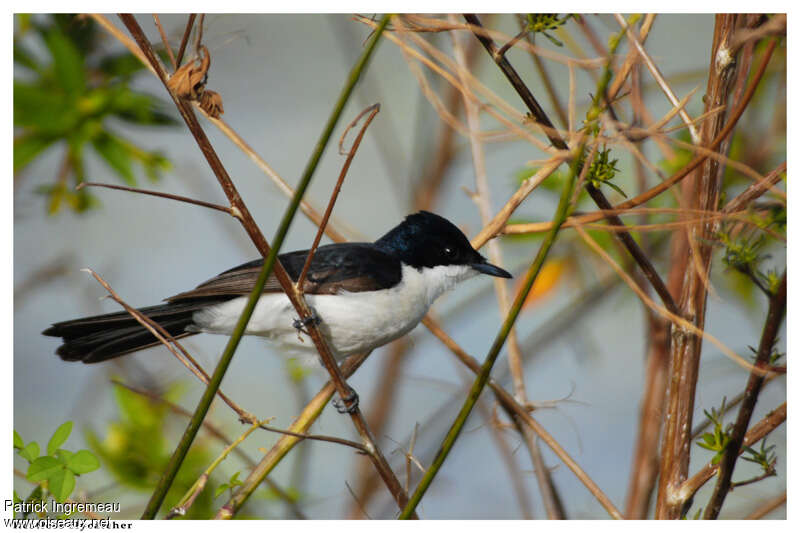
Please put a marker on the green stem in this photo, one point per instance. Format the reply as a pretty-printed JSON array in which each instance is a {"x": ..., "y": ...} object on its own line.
[
  {"x": 269, "y": 262},
  {"x": 200, "y": 484},
  {"x": 562, "y": 211}
]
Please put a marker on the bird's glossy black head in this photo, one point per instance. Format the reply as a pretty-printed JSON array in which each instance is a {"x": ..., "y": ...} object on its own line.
[{"x": 427, "y": 240}]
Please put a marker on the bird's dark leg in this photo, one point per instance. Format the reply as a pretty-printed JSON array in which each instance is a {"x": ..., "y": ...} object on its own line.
[
  {"x": 300, "y": 324},
  {"x": 349, "y": 403}
]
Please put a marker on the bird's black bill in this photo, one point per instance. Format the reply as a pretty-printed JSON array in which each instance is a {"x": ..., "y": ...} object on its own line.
[{"x": 487, "y": 268}]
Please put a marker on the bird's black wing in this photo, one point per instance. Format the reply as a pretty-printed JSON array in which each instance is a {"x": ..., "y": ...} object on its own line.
[{"x": 353, "y": 267}]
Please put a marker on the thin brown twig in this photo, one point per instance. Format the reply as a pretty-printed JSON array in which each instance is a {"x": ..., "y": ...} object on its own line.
[
  {"x": 644, "y": 471},
  {"x": 644, "y": 466},
  {"x": 630, "y": 61},
  {"x": 159, "y": 194},
  {"x": 775, "y": 314},
  {"x": 295, "y": 297},
  {"x": 164, "y": 40},
  {"x": 301, "y": 424},
  {"x": 186, "y": 33},
  {"x": 380, "y": 410},
  {"x": 776, "y": 25},
  {"x": 768, "y": 472},
  {"x": 599, "y": 198},
  {"x": 407, "y": 22},
  {"x": 723, "y": 134},
  {"x": 170, "y": 342},
  {"x": 539, "y": 227},
  {"x": 483, "y": 201},
  {"x": 226, "y": 129},
  {"x": 198, "y": 38},
  {"x": 761, "y": 429},
  {"x": 305, "y": 206},
  {"x": 726, "y": 407},
  {"x": 677, "y": 320},
  {"x": 754, "y": 191},
  {"x": 656, "y": 73},
  {"x": 236, "y": 201},
  {"x": 521, "y": 412},
  {"x": 545, "y": 77},
  {"x": 219, "y": 435},
  {"x": 697, "y": 161},
  {"x": 767, "y": 507},
  {"x": 372, "y": 110},
  {"x": 322, "y": 438}
]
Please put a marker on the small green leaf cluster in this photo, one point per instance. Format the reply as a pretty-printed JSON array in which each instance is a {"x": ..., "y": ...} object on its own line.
[
  {"x": 744, "y": 254},
  {"x": 67, "y": 98},
  {"x": 746, "y": 245},
  {"x": 56, "y": 471},
  {"x": 232, "y": 483},
  {"x": 717, "y": 439},
  {"x": 775, "y": 355},
  {"x": 545, "y": 22},
  {"x": 764, "y": 457},
  {"x": 603, "y": 169},
  {"x": 135, "y": 449}
]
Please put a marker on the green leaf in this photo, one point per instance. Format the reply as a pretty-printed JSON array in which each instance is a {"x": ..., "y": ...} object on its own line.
[
  {"x": 58, "y": 193},
  {"x": 27, "y": 147},
  {"x": 63, "y": 455},
  {"x": 67, "y": 62},
  {"x": 154, "y": 163},
  {"x": 616, "y": 188},
  {"x": 83, "y": 462},
  {"x": 43, "y": 109},
  {"x": 61, "y": 484},
  {"x": 123, "y": 64},
  {"x": 139, "y": 108},
  {"x": 117, "y": 155},
  {"x": 222, "y": 488},
  {"x": 30, "y": 452},
  {"x": 59, "y": 437},
  {"x": 43, "y": 467},
  {"x": 83, "y": 200},
  {"x": 18, "y": 442}
]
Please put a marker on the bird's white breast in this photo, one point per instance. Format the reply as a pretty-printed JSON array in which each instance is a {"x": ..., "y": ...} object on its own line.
[{"x": 352, "y": 322}]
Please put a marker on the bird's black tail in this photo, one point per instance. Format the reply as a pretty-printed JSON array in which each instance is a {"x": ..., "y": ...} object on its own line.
[{"x": 102, "y": 337}]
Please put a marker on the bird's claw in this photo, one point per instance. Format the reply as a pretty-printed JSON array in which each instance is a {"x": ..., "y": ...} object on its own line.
[
  {"x": 349, "y": 403},
  {"x": 301, "y": 323}
]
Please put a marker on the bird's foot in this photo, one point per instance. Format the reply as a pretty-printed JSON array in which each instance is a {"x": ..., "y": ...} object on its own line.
[
  {"x": 300, "y": 324},
  {"x": 349, "y": 403}
]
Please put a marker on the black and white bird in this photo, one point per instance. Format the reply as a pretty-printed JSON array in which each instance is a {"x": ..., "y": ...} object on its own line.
[{"x": 364, "y": 295}]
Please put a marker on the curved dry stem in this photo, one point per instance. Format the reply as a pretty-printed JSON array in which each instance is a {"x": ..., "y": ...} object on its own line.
[
  {"x": 678, "y": 321},
  {"x": 764, "y": 427},
  {"x": 226, "y": 129},
  {"x": 170, "y": 342},
  {"x": 524, "y": 416},
  {"x": 656, "y": 73}
]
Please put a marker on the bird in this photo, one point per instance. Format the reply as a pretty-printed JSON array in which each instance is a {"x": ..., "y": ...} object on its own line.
[{"x": 362, "y": 296}]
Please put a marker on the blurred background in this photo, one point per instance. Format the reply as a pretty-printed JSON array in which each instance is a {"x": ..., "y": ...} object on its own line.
[{"x": 583, "y": 333}]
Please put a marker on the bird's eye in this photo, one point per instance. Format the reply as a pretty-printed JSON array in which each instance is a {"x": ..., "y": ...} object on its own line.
[{"x": 449, "y": 252}]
